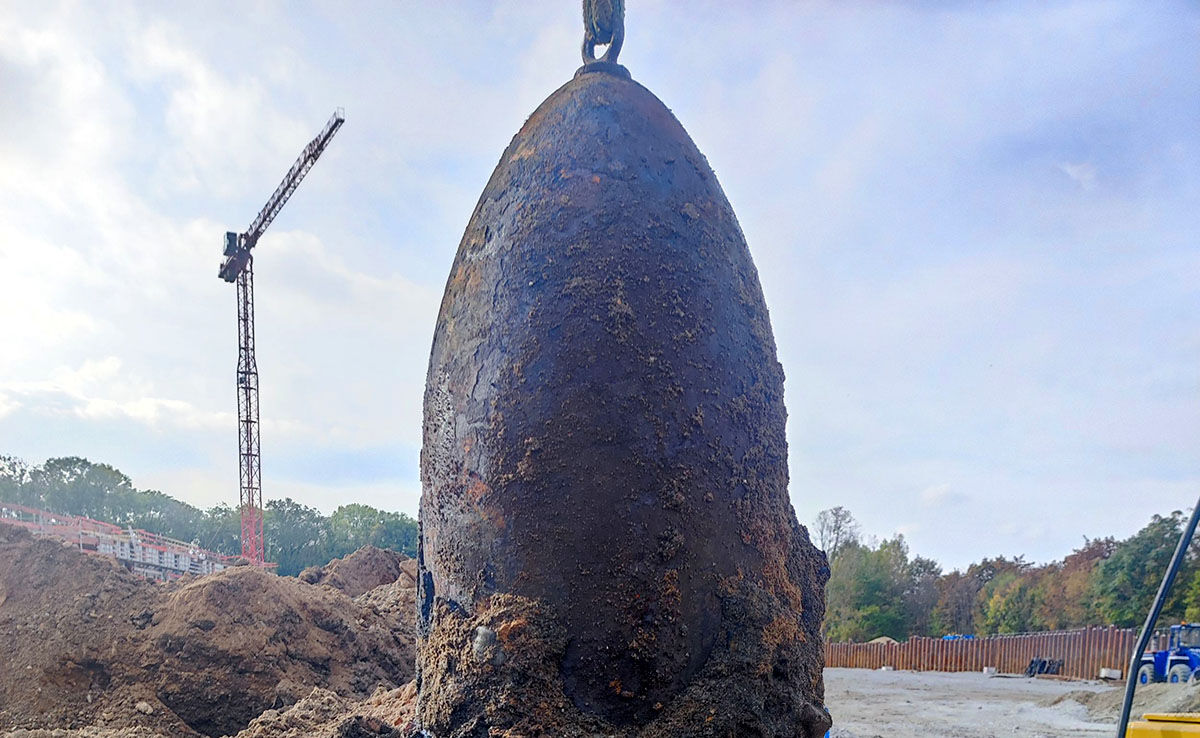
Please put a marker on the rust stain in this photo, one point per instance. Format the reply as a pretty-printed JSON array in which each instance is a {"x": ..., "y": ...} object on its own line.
[
  {"x": 466, "y": 277},
  {"x": 509, "y": 630},
  {"x": 477, "y": 489}
]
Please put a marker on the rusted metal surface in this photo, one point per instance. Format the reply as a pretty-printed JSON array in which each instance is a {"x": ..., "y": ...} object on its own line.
[
  {"x": 603, "y": 23},
  {"x": 604, "y": 437}
]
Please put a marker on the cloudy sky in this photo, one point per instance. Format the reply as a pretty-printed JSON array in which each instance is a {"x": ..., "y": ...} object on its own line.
[{"x": 976, "y": 226}]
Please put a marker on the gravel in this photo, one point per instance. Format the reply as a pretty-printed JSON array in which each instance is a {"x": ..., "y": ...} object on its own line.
[{"x": 908, "y": 704}]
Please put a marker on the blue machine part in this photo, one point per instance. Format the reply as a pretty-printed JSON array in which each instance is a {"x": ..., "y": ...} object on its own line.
[{"x": 1179, "y": 662}]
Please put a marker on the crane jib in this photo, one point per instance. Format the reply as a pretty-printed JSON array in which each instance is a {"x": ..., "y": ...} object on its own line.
[
  {"x": 236, "y": 261},
  {"x": 307, "y": 158}
]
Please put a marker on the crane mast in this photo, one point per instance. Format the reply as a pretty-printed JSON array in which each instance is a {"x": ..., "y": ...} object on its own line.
[{"x": 238, "y": 267}]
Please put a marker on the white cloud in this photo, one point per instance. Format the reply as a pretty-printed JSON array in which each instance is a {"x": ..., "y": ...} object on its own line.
[
  {"x": 936, "y": 494},
  {"x": 220, "y": 131},
  {"x": 99, "y": 390},
  {"x": 1082, "y": 174},
  {"x": 947, "y": 306},
  {"x": 8, "y": 405}
]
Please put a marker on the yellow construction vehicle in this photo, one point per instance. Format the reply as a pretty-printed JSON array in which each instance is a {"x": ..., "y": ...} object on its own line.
[{"x": 1166, "y": 725}]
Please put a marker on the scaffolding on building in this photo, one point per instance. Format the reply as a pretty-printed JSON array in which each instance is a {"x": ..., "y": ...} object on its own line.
[{"x": 144, "y": 553}]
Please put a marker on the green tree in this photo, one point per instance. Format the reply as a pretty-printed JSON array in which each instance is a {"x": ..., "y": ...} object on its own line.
[
  {"x": 921, "y": 595},
  {"x": 1191, "y": 596},
  {"x": 353, "y": 526},
  {"x": 955, "y": 608},
  {"x": 160, "y": 513},
  {"x": 1003, "y": 604},
  {"x": 296, "y": 536},
  {"x": 1065, "y": 590},
  {"x": 15, "y": 482},
  {"x": 221, "y": 530},
  {"x": 1127, "y": 580},
  {"x": 865, "y": 594},
  {"x": 835, "y": 529},
  {"x": 76, "y": 486},
  {"x": 1007, "y": 604},
  {"x": 399, "y": 532}
]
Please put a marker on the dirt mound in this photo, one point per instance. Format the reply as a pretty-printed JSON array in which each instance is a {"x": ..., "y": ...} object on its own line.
[
  {"x": 1105, "y": 706},
  {"x": 363, "y": 570},
  {"x": 86, "y": 733},
  {"x": 229, "y": 646},
  {"x": 92, "y": 646},
  {"x": 323, "y": 714},
  {"x": 397, "y": 604},
  {"x": 72, "y": 622}
]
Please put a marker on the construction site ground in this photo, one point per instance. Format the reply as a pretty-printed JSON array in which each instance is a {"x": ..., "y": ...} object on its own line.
[
  {"x": 92, "y": 651},
  {"x": 907, "y": 704}
]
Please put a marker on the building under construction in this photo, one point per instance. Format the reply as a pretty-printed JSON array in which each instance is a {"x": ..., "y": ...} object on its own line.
[{"x": 147, "y": 554}]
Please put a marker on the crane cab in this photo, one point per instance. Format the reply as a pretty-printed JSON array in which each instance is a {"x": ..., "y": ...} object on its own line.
[{"x": 236, "y": 256}]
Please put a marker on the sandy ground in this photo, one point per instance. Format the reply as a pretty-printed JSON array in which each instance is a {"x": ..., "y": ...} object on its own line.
[{"x": 906, "y": 704}]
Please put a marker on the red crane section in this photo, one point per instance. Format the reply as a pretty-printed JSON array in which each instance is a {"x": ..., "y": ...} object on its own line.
[{"x": 239, "y": 267}]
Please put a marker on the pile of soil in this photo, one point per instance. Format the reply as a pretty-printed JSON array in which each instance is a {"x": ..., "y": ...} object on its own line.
[
  {"x": 363, "y": 570},
  {"x": 1106, "y": 706},
  {"x": 72, "y": 624},
  {"x": 87, "y": 733},
  {"x": 90, "y": 647},
  {"x": 396, "y": 603},
  {"x": 229, "y": 646},
  {"x": 323, "y": 714}
]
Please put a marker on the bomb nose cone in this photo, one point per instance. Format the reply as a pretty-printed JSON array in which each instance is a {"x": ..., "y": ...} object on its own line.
[{"x": 607, "y": 541}]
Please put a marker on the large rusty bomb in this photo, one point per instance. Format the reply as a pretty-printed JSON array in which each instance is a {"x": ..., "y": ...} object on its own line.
[{"x": 607, "y": 544}]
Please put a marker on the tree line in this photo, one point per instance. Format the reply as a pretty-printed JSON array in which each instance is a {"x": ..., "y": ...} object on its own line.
[
  {"x": 296, "y": 535},
  {"x": 878, "y": 588}
]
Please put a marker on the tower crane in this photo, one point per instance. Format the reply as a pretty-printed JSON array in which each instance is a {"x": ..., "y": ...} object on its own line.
[{"x": 238, "y": 267}]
